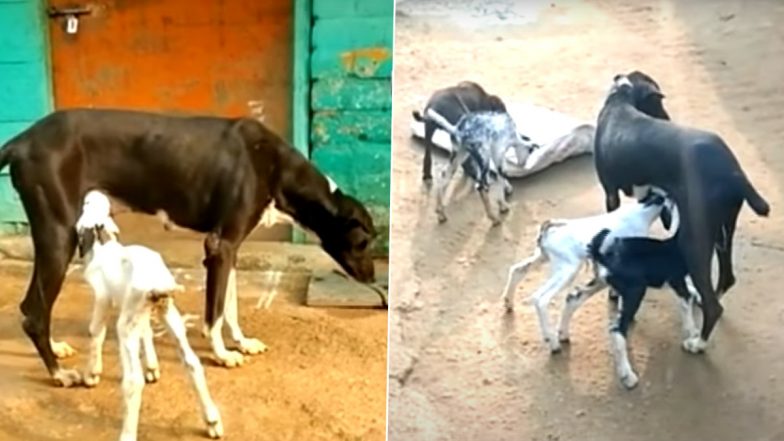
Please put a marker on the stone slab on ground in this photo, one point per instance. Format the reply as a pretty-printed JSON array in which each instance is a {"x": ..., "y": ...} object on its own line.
[{"x": 333, "y": 290}]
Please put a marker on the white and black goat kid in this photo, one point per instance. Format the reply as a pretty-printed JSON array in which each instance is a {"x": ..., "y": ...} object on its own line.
[
  {"x": 136, "y": 279},
  {"x": 485, "y": 137},
  {"x": 630, "y": 266},
  {"x": 564, "y": 242}
]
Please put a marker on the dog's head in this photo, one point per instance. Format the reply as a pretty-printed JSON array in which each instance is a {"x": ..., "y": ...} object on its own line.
[
  {"x": 350, "y": 240},
  {"x": 647, "y": 95}
]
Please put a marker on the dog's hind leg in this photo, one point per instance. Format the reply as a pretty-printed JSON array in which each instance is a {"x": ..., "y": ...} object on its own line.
[
  {"x": 447, "y": 174},
  {"x": 246, "y": 345},
  {"x": 219, "y": 260},
  {"x": 724, "y": 251},
  {"x": 427, "y": 162},
  {"x": 698, "y": 251},
  {"x": 54, "y": 246}
]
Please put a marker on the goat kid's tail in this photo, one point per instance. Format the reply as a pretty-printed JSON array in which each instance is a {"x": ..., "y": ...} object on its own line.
[
  {"x": 545, "y": 227},
  {"x": 595, "y": 246},
  {"x": 754, "y": 199},
  {"x": 442, "y": 122},
  {"x": 417, "y": 116}
]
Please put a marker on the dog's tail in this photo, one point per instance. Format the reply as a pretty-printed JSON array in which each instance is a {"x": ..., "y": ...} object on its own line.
[
  {"x": 595, "y": 246},
  {"x": 754, "y": 199},
  {"x": 442, "y": 122}
]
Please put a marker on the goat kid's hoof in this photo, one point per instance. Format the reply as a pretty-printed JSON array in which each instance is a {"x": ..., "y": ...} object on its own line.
[
  {"x": 563, "y": 337},
  {"x": 504, "y": 209},
  {"x": 441, "y": 218},
  {"x": 494, "y": 221},
  {"x": 694, "y": 345},
  {"x": 214, "y": 423},
  {"x": 152, "y": 374},
  {"x": 67, "y": 378},
  {"x": 508, "y": 306},
  {"x": 230, "y": 359},
  {"x": 553, "y": 344},
  {"x": 92, "y": 379},
  {"x": 630, "y": 380},
  {"x": 252, "y": 346},
  {"x": 62, "y": 349}
]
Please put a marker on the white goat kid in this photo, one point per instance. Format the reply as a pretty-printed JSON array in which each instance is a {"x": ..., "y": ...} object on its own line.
[
  {"x": 564, "y": 242},
  {"x": 137, "y": 279}
]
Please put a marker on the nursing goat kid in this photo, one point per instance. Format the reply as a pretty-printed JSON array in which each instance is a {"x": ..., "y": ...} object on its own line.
[
  {"x": 564, "y": 243},
  {"x": 484, "y": 136},
  {"x": 136, "y": 279},
  {"x": 630, "y": 266}
]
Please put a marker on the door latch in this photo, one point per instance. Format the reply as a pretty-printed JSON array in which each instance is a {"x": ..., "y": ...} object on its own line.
[{"x": 71, "y": 15}]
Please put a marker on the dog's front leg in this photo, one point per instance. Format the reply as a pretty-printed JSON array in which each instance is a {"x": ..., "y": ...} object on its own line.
[
  {"x": 219, "y": 260},
  {"x": 249, "y": 346},
  {"x": 447, "y": 174}
]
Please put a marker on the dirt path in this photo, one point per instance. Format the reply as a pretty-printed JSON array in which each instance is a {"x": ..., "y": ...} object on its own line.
[
  {"x": 324, "y": 377},
  {"x": 460, "y": 370}
]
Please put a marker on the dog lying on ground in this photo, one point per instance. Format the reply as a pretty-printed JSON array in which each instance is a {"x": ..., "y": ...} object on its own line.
[
  {"x": 484, "y": 137},
  {"x": 694, "y": 167},
  {"x": 209, "y": 174}
]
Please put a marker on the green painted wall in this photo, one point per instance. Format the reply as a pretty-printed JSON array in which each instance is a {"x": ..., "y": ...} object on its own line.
[
  {"x": 351, "y": 99},
  {"x": 24, "y": 88}
]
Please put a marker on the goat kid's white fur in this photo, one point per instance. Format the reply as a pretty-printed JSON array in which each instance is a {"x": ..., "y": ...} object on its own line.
[
  {"x": 136, "y": 279},
  {"x": 564, "y": 242}
]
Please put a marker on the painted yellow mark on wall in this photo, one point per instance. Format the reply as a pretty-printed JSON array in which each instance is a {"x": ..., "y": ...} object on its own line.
[{"x": 364, "y": 62}]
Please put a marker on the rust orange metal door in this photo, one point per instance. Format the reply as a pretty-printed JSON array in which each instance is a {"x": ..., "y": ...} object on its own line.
[{"x": 176, "y": 56}]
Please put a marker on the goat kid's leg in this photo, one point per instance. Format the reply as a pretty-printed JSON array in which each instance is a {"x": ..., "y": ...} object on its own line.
[
  {"x": 573, "y": 301},
  {"x": 92, "y": 374},
  {"x": 618, "y": 332},
  {"x": 447, "y": 174},
  {"x": 129, "y": 332},
  {"x": 152, "y": 368},
  {"x": 724, "y": 252},
  {"x": 210, "y": 411},
  {"x": 516, "y": 274},
  {"x": 61, "y": 349},
  {"x": 219, "y": 261},
  {"x": 484, "y": 194},
  {"x": 561, "y": 276},
  {"x": 246, "y": 345}
]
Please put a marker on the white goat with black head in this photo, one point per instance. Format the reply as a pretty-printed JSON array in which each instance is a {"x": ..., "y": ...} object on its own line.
[{"x": 136, "y": 279}]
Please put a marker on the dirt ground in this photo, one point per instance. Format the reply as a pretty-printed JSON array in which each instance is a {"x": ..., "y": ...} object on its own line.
[
  {"x": 323, "y": 378},
  {"x": 459, "y": 368}
]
